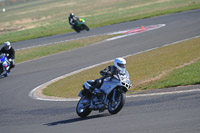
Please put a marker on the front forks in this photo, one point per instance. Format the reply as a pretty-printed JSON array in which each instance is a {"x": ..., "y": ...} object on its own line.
[{"x": 114, "y": 93}]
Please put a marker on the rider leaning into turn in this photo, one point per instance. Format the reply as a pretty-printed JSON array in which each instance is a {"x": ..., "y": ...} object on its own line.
[
  {"x": 10, "y": 53},
  {"x": 72, "y": 19},
  {"x": 119, "y": 67}
]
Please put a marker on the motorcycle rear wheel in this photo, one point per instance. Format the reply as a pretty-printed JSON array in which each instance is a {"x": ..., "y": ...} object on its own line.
[
  {"x": 115, "y": 106},
  {"x": 82, "y": 110},
  {"x": 85, "y": 27},
  {"x": 77, "y": 29}
]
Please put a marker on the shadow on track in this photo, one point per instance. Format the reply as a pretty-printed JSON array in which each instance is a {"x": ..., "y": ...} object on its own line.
[{"x": 76, "y": 120}]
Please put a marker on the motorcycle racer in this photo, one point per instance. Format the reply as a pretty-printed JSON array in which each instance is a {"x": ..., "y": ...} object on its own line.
[
  {"x": 119, "y": 67},
  {"x": 108, "y": 92},
  {"x": 72, "y": 19},
  {"x": 77, "y": 24},
  {"x": 10, "y": 52}
]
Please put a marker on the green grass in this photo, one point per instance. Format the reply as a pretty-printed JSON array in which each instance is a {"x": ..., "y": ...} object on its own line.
[
  {"x": 41, "y": 51},
  {"x": 184, "y": 76},
  {"x": 46, "y": 17},
  {"x": 143, "y": 69}
]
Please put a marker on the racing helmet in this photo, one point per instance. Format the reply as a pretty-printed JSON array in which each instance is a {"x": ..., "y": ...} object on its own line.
[
  {"x": 7, "y": 45},
  {"x": 120, "y": 63},
  {"x": 71, "y": 14}
]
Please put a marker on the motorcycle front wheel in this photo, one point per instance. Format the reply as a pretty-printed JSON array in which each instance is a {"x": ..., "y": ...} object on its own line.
[
  {"x": 81, "y": 109},
  {"x": 115, "y": 106}
]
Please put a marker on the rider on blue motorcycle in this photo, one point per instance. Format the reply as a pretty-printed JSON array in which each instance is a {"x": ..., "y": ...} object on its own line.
[{"x": 10, "y": 53}]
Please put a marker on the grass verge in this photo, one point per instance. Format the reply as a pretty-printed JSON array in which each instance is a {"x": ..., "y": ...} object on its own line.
[
  {"x": 41, "y": 51},
  {"x": 183, "y": 76},
  {"x": 47, "y": 17},
  {"x": 143, "y": 69}
]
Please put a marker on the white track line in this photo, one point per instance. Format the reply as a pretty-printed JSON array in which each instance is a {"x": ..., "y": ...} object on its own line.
[
  {"x": 133, "y": 33},
  {"x": 33, "y": 94},
  {"x": 110, "y": 33},
  {"x": 165, "y": 93},
  {"x": 58, "y": 42},
  {"x": 130, "y": 96}
]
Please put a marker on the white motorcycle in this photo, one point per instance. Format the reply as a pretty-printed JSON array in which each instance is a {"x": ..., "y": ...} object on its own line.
[{"x": 110, "y": 95}]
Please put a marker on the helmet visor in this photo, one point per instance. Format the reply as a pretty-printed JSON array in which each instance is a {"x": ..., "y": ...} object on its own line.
[
  {"x": 121, "y": 65},
  {"x": 7, "y": 47}
]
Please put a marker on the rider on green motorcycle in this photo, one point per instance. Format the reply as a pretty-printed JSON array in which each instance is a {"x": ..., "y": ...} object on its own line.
[
  {"x": 72, "y": 19},
  {"x": 78, "y": 24}
]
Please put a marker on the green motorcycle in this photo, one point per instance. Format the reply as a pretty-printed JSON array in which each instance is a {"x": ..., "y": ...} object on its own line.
[{"x": 80, "y": 25}]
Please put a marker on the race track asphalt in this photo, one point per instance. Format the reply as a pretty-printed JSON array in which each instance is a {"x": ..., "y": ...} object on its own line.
[{"x": 153, "y": 114}]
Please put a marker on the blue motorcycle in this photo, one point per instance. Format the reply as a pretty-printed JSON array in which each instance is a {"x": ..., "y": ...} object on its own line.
[{"x": 4, "y": 65}]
